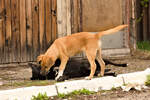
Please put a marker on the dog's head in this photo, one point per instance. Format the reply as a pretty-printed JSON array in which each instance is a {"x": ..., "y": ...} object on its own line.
[{"x": 46, "y": 62}]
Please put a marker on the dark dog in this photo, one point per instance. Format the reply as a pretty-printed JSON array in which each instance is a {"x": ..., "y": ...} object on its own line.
[{"x": 75, "y": 68}]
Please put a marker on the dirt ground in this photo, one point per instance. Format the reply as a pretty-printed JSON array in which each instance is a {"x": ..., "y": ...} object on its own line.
[
  {"x": 113, "y": 95},
  {"x": 12, "y": 76}
]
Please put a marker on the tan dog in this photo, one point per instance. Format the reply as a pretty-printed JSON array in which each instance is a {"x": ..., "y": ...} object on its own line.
[{"x": 68, "y": 46}]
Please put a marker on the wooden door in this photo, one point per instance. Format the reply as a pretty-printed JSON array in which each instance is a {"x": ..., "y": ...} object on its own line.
[{"x": 27, "y": 29}]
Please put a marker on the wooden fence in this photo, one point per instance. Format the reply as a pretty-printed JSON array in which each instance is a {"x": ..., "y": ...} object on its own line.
[
  {"x": 27, "y": 28},
  {"x": 143, "y": 26}
]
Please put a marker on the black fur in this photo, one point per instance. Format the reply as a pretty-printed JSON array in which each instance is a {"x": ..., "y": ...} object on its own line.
[{"x": 74, "y": 68}]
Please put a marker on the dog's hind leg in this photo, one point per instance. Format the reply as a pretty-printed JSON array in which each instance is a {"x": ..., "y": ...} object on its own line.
[
  {"x": 101, "y": 62},
  {"x": 91, "y": 54},
  {"x": 62, "y": 67}
]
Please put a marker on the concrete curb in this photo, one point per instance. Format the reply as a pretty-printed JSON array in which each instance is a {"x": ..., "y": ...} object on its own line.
[
  {"x": 27, "y": 92},
  {"x": 135, "y": 77},
  {"x": 96, "y": 84}
]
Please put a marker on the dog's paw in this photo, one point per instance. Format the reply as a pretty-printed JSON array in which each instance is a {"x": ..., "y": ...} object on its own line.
[
  {"x": 57, "y": 77},
  {"x": 100, "y": 75},
  {"x": 88, "y": 78},
  {"x": 62, "y": 78}
]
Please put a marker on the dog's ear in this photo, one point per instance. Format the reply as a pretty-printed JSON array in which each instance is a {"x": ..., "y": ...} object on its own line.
[
  {"x": 50, "y": 61},
  {"x": 40, "y": 58}
]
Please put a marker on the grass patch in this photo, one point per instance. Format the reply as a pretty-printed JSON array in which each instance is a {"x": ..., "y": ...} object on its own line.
[
  {"x": 40, "y": 96},
  {"x": 76, "y": 92},
  {"x": 147, "y": 83},
  {"x": 143, "y": 45},
  {"x": 84, "y": 92},
  {"x": 62, "y": 95}
]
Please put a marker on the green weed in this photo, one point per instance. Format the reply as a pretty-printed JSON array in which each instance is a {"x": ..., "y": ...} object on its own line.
[
  {"x": 147, "y": 83},
  {"x": 62, "y": 95},
  {"x": 143, "y": 45},
  {"x": 76, "y": 92},
  {"x": 40, "y": 96}
]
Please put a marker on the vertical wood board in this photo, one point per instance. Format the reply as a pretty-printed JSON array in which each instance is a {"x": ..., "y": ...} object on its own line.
[
  {"x": 75, "y": 16},
  {"x": 35, "y": 24},
  {"x": 23, "y": 30},
  {"x": 2, "y": 34},
  {"x": 8, "y": 31},
  {"x": 54, "y": 14},
  {"x": 48, "y": 22},
  {"x": 41, "y": 24},
  {"x": 1, "y": 40},
  {"x": 64, "y": 17},
  {"x": 29, "y": 30},
  {"x": 15, "y": 44}
]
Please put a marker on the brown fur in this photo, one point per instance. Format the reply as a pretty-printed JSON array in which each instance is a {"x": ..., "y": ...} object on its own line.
[{"x": 68, "y": 46}]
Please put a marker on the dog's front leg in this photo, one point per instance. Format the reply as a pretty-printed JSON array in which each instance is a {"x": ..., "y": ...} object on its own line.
[{"x": 62, "y": 67}]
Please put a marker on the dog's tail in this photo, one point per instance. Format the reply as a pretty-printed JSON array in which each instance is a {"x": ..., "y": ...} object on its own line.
[{"x": 110, "y": 31}]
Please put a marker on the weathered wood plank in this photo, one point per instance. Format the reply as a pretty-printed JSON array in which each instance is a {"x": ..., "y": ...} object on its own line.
[
  {"x": 41, "y": 24},
  {"x": 1, "y": 41},
  {"x": 15, "y": 44},
  {"x": 74, "y": 16},
  {"x": 134, "y": 32},
  {"x": 48, "y": 22},
  {"x": 59, "y": 18},
  {"x": 23, "y": 31},
  {"x": 64, "y": 17},
  {"x": 2, "y": 38},
  {"x": 2, "y": 31},
  {"x": 68, "y": 10},
  {"x": 29, "y": 29},
  {"x": 35, "y": 24},
  {"x": 1, "y": 34},
  {"x": 54, "y": 14},
  {"x": 145, "y": 24},
  {"x": 8, "y": 30},
  {"x": 80, "y": 15}
]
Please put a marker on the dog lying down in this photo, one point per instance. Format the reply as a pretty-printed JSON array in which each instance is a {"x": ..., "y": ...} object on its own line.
[{"x": 74, "y": 68}]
